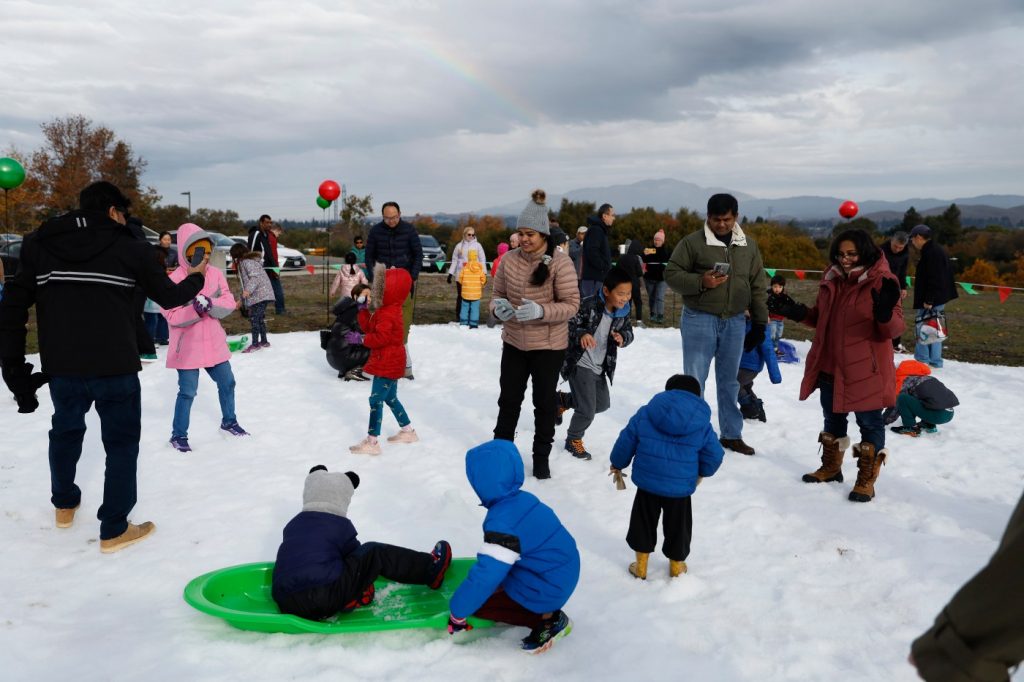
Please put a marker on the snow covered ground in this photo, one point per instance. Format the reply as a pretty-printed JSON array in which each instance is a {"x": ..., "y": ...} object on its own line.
[{"x": 788, "y": 581}]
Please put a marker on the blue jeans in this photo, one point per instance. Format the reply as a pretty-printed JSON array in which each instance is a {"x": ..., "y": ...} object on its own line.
[
  {"x": 590, "y": 287},
  {"x": 708, "y": 337},
  {"x": 188, "y": 384},
  {"x": 871, "y": 422},
  {"x": 385, "y": 391},
  {"x": 275, "y": 284},
  {"x": 470, "y": 313},
  {"x": 118, "y": 401},
  {"x": 775, "y": 328},
  {"x": 656, "y": 296},
  {"x": 930, "y": 353}
]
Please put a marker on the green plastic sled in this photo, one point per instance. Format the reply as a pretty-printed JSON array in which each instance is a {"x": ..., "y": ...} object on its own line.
[
  {"x": 241, "y": 596},
  {"x": 237, "y": 343}
]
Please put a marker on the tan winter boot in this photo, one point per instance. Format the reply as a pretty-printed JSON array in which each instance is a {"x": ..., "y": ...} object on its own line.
[
  {"x": 832, "y": 451},
  {"x": 869, "y": 465},
  {"x": 676, "y": 568},
  {"x": 639, "y": 567}
]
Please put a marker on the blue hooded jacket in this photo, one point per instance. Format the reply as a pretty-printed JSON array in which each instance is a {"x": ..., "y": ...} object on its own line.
[
  {"x": 527, "y": 551},
  {"x": 762, "y": 355},
  {"x": 670, "y": 442}
]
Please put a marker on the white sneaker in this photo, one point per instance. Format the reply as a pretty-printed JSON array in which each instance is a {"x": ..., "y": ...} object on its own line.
[
  {"x": 404, "y": 437},
  {"x": 365, "y": 447}
]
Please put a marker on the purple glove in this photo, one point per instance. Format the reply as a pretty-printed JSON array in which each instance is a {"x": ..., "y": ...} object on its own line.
[
  {"x": 201, "y": 304},
  {"x": 353, "y": 337}
]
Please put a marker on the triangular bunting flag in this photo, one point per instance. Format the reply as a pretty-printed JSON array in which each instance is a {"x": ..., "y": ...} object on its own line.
[
  {"x": 969, "y": 288},
  {"x": 910, "y": 283},
  {"x": 800, "y": 274},
  {"x": 771, "y": 271},
  {"x": 310, "y": 269},
  {"x": 277, "y": 270},
  {"x": 335, "y": 267},
  {"x": 1004, "y": 293},
  {"x": 440, "y": 265}
]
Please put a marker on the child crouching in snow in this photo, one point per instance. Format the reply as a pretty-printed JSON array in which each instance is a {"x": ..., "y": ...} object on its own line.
[
  {"x": 198, "y": 341},
  {"x": 383, "y": 334},
  {"x": 529, "y": 564},
  {"x": 672, "y": 446},
  {"x": 322, "y": 569}
]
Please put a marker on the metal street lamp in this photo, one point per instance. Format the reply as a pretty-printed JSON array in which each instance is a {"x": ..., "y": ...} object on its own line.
[{"x": 189, "y": 194}]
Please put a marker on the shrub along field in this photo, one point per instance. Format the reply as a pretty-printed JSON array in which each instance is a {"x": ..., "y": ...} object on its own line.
[{"x": 981, "y": 328}]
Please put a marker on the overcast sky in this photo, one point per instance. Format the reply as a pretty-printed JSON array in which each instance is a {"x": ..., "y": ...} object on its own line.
[{"x": 453, "y": 106}]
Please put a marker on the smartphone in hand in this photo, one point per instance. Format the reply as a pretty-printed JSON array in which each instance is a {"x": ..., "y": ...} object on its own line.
[
  {"x": 721, "y": 268},
  {"x": 198, "y": 255}
]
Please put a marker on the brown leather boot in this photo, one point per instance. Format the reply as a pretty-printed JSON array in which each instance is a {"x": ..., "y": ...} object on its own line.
[
  {"x": 676, "y": 568},
  {"x": 832, "y": 451},
  {"x": 869, "y": 465},
  {"x": 639, "y": 567}
]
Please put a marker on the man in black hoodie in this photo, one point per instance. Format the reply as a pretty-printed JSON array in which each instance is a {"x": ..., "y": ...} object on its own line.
[
  {"x": 80, "y": 271},
  {"x": 596, "y": 255}
]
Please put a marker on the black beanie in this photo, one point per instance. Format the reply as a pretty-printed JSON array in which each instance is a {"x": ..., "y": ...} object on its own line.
[{"x": 683, "y": 382}]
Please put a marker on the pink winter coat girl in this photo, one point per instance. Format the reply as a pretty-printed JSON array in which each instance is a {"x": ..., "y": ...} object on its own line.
[
  {"x": 198, "y": 341},
  {"x": 349, "y": 276}
]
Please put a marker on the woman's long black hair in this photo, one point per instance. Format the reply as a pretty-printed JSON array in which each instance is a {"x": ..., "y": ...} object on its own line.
[
  {"x": 868, "y": 252},
  {"x": 543, "y": 271}
]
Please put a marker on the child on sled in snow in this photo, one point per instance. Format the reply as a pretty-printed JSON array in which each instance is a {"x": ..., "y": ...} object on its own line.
[
  {"x": 344, "y": 342},
  {"x": 528, "y": 566},
  {"x": 383, "y": 334},
  {"x": 672, "y": 447},
  {"x": 322, "y": 569},
  {"x": 751, "y": 364},
  {"x": 600, "y": 327}
]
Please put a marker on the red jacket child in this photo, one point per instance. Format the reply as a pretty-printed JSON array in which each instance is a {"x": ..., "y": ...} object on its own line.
[{"x": 383, "y": 327}]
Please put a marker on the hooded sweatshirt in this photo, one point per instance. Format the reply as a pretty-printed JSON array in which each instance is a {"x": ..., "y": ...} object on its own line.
[
  {"x": 527, "y": 551},
  {"x": 670, "y": 442},
  {"x": 317, "y": 540},
  {"x": 198, "y": 341},
  {"x": 502, "y": 250},
  {"x": 80, "y": 271},
  {"x": 383, "y": 329},
  {"x": 472, "y": 277}
]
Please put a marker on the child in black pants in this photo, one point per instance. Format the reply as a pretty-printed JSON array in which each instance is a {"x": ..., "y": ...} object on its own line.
[
  {"x": 596, "y": 332},
  {"x": 672, "y": 446},
  {"x": 322, "y": 569}
]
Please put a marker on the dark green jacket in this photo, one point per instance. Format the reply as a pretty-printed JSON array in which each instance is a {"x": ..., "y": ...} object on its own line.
[
  {"x": 746, "y": 288},
  {"x": 980, "y": 633}
]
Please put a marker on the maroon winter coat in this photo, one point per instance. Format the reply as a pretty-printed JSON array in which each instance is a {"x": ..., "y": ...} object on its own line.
[
  {"x": 383, "y": 330},
  {"x": 849, "y": 344}
]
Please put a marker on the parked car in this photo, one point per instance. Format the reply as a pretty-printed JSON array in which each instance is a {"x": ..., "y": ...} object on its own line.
[
  {"x": 287, "y": 259},
  {"x": 10, "y": 253},
  {"x": 9, "y": 237},
  {"x": 432, "y": 252}
]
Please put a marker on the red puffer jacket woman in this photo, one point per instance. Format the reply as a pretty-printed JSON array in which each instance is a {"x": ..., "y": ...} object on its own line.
[{"x": 383, "y": 330}]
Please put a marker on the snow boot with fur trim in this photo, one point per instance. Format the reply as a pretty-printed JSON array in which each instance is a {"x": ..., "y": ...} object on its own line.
[
  {"x": 832, "y": 451},
  {"x": 869, "y": 465},
  {"x": 638, "y": 569}
]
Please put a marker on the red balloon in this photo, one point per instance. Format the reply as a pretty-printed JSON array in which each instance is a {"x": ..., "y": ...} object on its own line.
[
  {"x": 330, "y": 190},
  {"x": 848, "y": 209}
]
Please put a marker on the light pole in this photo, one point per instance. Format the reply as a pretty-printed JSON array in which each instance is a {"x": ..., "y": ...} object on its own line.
[{"x": 189, "y": 195}]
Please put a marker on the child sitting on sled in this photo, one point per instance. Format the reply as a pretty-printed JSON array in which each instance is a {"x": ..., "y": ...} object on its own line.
[
  {"x": 322, "y": 569},
  {"x": 528, "y": 566}
]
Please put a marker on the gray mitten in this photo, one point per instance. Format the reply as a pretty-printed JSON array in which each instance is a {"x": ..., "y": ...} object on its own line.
[
  {"x": 503, "y": 310},
  {"x": 529, "y": 310}
]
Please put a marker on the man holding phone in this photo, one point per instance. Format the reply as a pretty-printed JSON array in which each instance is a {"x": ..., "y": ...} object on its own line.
[{"x": 719, "y": 273}]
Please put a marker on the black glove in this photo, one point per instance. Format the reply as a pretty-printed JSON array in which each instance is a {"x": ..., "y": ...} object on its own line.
[
  {"x": 449, "y": 278},
  {"x": 885, "y": 299},
  {"x": 789, "y": 309},
  {"x": 23, "y": 384},
  {"x": 754, "y": 337}
]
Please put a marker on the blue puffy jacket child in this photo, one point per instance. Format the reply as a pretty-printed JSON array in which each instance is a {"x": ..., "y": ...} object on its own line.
[
  {"x": 528, "y": 566},
  {"x": 322, "y": 569},
  {"x": 751, "y": 364},
  {"x": 672, "y": 447}
]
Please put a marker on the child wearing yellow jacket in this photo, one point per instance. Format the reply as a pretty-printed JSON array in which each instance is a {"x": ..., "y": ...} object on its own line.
[{"x": 472, "y": 277}]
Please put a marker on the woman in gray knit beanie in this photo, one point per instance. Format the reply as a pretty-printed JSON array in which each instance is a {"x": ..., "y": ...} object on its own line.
[{"x": 535, "y": 295}]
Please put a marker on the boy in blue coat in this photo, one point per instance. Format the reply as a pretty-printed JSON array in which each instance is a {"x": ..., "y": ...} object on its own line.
[
  {"x": 321, "y": 567},
  {"x": 672, "y": 446},
  {"x": 529, "y": 565},
  {"x": 751, "y": 364}
]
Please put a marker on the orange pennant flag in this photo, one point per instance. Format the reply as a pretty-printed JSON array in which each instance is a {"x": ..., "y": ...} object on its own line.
[
  {"x": 1004, "y": 293},
  {"x": 800, "y": 274}
]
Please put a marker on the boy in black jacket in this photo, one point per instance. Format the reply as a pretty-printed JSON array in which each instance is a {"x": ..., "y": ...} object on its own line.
[
  {"x": 596, "y": 332},
  {"x": 321, "y": 567}
]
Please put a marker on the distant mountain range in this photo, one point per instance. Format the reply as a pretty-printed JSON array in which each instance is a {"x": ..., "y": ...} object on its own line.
[{"x": 671, "y": 195}]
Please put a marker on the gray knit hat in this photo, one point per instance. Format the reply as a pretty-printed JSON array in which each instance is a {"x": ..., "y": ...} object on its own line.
[
  {"x": 535, "y": 215},
  {"x": 328, "y": 492}
]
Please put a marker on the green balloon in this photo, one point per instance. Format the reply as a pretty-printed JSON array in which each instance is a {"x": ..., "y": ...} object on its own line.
[
  {"x": 12, "y": 173},
  {"x": 320, "y": 201}
]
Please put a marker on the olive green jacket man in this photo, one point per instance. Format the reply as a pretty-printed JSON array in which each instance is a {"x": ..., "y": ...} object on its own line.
[{"x": 746, "y": 288}]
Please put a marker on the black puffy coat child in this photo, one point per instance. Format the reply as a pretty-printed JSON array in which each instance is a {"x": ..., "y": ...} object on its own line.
[{"x": 343, "y": 354}]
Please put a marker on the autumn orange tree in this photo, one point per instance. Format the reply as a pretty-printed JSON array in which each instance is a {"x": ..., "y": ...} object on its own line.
[{"x": 981, "y": 272}]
